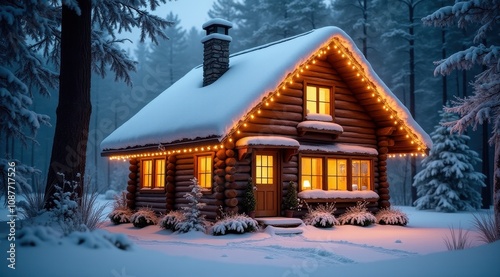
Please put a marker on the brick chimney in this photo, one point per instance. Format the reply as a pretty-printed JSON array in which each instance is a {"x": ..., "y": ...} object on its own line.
[{"x": 215, "y": 49}]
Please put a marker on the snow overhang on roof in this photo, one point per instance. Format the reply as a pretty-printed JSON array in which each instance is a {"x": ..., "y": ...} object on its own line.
[{"x": 187, "y": 111}]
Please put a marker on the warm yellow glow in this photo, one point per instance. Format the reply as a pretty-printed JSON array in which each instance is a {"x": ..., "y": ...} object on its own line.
[
  {"x": 306, "y": 185},
  {"x": 264, "y": 169},
  {"x": 204, "y": 167}
]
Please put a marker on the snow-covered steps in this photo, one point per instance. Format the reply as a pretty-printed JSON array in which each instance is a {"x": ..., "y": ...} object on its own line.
[
  {"x": 284, "y": 231},
  {"x": 280, "y": 221}
]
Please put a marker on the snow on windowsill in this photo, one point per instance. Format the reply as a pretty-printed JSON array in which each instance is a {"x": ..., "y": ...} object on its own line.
[
  {"x": 319, "y": 117},
  {"x": 339, "y": 148},
  {"x": 268, "y": 141},
  {"x": 321, "y": 125},
  {"x": 336, "y": 194}
]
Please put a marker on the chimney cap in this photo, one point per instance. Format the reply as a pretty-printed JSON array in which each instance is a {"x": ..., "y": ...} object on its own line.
[{"x": 217, "y": 26}]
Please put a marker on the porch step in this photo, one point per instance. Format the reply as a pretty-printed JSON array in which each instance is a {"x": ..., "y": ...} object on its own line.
[
  {"x": 284, "y": 222},
  {"x": 284, "y": 231}
]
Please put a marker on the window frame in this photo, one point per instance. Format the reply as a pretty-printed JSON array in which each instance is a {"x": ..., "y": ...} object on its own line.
[
  {"x": 154, "y": 186},
  {"x": 349, "y": 176},
  {"x": 319, "y": 84},
  {"x": 274, "y": 166},
  {"x": 196, "y": 173}
]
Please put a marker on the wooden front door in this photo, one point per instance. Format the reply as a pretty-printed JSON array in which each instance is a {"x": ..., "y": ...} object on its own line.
[{"x": 266, "y": 181}]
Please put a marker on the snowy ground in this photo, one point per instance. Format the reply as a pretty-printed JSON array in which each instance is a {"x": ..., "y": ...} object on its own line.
[{"x": 415, "y": 250}]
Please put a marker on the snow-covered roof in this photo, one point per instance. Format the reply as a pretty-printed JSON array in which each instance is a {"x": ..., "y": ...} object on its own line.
[{"x": 187, "y": 110}]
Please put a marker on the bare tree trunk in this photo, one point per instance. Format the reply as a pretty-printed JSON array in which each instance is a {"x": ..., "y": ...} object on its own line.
[{"x": 73, "y": 111}]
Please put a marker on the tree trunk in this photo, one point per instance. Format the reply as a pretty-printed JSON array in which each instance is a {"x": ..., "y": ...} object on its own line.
[
  {"x": 411, "y": 30},
  {"x": 73, "y": 111},
  {"x": 496, "y": 182}
]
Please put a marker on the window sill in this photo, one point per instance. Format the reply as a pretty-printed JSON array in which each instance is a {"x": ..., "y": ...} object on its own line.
[
  {"x": 318, "y": 195},
  {"x": 152, "y": 190},
  {"x": 206, "y": 191}
]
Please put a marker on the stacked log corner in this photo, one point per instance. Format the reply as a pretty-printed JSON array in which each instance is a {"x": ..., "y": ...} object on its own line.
[
  {"x": 383, "y": 183},
  {"x": 230, "y": 202},
  {"x": 170, "y": 187},
  {"x": 132, "y": 183},
  {"x": 219, "y": 179}
]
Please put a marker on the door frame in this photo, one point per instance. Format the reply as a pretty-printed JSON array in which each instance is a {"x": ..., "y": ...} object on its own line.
[{"x": 276, "y": 153}]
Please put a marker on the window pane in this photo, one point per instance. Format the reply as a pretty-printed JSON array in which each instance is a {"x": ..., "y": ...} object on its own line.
[
  {"x": 204, "y": 171},
  {"x": 311, "y": 100},
  {"x": 318, "y": 100},
  {"x": 147, "y": 173},
  {"x": 361, "y": 170},
  {"x": 311, "y": 173},
  {"x": 337, "y": 174},
  {"x": 264, "y": 169},
  {"x": 160, "y": 173}
]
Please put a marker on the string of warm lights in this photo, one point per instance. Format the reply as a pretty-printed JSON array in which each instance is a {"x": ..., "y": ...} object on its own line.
[
  {"x": 334, "y": 46},
  {"x": 168, "y": 152}
]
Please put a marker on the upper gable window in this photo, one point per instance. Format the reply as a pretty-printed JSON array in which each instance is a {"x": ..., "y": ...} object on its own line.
[{"x": 318, "y": 99}]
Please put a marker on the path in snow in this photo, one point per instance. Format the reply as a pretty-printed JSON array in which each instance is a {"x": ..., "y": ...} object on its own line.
[{"x": 270, "y": 249}]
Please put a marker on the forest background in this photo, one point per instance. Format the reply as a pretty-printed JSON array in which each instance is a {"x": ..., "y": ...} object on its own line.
[{"x": 388, "y": 32}]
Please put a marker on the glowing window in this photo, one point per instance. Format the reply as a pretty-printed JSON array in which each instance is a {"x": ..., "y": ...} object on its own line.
[
  {"x": 318, "y": 100},
  {"x": 204, "y": 165},
  {"x": 153, "y": 173},
  {"x": 264, "y": 169},
  {"x": 337, "y": 174},
  {"x": 147, "y": 173},
  {"x": 361, "y": 174},
  {"x": 160, "y": 173},
  {"x": 311, "y": 173},
  {"x": 330, "y": 173}
]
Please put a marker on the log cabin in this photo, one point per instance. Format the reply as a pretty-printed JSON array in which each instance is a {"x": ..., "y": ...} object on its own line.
[{"x": 308, "y": 109}]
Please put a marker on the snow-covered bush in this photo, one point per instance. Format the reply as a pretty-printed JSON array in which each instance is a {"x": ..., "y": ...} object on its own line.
[
  {"x": 72, "y": 213},
  {"x": 144, "y": 217},
  {"x": 391, "y": 216},
  {"x": 170, "y": 220},
  {"x": 37, "y": 235},
  {"x": 121, "y": 213},
  {"x": 110, "y": 194},
  {"x": 234, "y": 224},
  {"x": 358, "y": 215},
  {"x": 194, "y": 220},
  {"x": 321, "y": 216},
  {"x": 98, "y": 239},
  {"x": 120, "y": 216}
]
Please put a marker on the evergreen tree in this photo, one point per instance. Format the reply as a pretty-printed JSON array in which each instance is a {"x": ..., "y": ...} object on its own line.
[
  {"x": 194, "y": 220},
  {"x": 225, "y": 9},
  {"x": 484, "y": 106},
  {"x": 448, "y": 181},
  {"x": 23, "y": 72},
  {"x": 166, "y": 58}
]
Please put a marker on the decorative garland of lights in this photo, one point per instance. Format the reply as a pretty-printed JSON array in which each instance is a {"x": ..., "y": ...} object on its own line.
[
  {"x": 168, "y": 152},
  {"x": 334, "y": 46}
]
